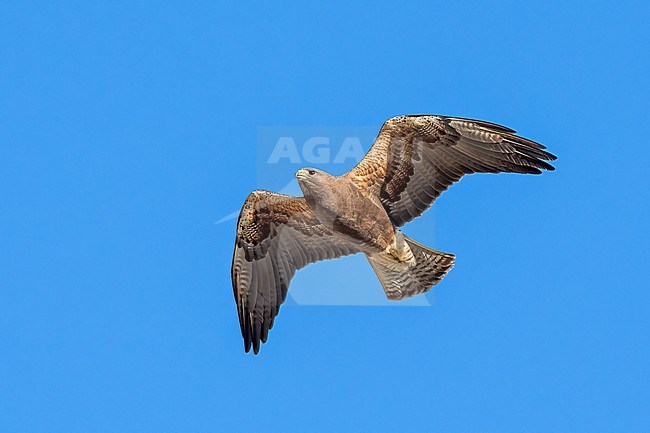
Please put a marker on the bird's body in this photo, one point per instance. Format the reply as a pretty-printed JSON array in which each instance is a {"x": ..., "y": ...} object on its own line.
[
  {"x": 341, "y": 207},
  {"x": 413, "y": 160}
]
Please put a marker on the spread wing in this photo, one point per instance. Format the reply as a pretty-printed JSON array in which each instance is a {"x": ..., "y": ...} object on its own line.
[
  {"x": 276, "y": 235},
  {"x": 415, "y": 158}
]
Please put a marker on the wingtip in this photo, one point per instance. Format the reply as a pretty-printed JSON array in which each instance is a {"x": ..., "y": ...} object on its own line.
[
  {"x": 265, "y": 332},
  {"x": 546, "y": 166},
  {"x": 257, "y": 337}
]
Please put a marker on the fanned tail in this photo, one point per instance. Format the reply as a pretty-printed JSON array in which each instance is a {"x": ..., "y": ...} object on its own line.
[{"x": 401, "y": 280}]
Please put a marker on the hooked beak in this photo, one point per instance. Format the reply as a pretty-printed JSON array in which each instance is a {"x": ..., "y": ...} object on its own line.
[{"x": 301, "y": 174}]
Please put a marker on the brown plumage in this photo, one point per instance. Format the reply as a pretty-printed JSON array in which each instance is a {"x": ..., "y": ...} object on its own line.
[{"x": 413, "y": 160}]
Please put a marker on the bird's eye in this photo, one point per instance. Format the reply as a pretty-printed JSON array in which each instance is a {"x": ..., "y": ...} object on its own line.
[{"x": 311, "y": 172}]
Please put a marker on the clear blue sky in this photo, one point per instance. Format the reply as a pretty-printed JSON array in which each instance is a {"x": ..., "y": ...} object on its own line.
[{"x": 127, "y": 129}]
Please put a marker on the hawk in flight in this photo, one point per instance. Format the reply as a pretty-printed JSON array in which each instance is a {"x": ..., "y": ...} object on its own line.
[{"x": 412, "y": 161}]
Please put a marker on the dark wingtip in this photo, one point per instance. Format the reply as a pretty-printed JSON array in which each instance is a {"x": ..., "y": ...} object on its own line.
[
  {"x": 254, "y": 334},
  {"x": 256, "y": 337},
  {"x": 265, "y": 331},
  {"x": 548, "y": 156},
  {"x": 246, "y": 331},
  {"x": 546, "y": 166},
  {"x": 533, "y": 152}
]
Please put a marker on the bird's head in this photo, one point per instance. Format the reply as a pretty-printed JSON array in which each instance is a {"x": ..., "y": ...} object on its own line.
[
  {"x": 310, "y": 178},
  {"x": 309, "y": 174}
]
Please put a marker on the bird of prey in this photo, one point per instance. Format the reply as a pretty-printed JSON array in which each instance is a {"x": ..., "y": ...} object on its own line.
[{"x": 412, "y": 161}]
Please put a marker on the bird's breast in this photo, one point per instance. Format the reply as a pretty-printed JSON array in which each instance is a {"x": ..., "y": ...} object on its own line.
[{"x": 357, "y": 218}]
